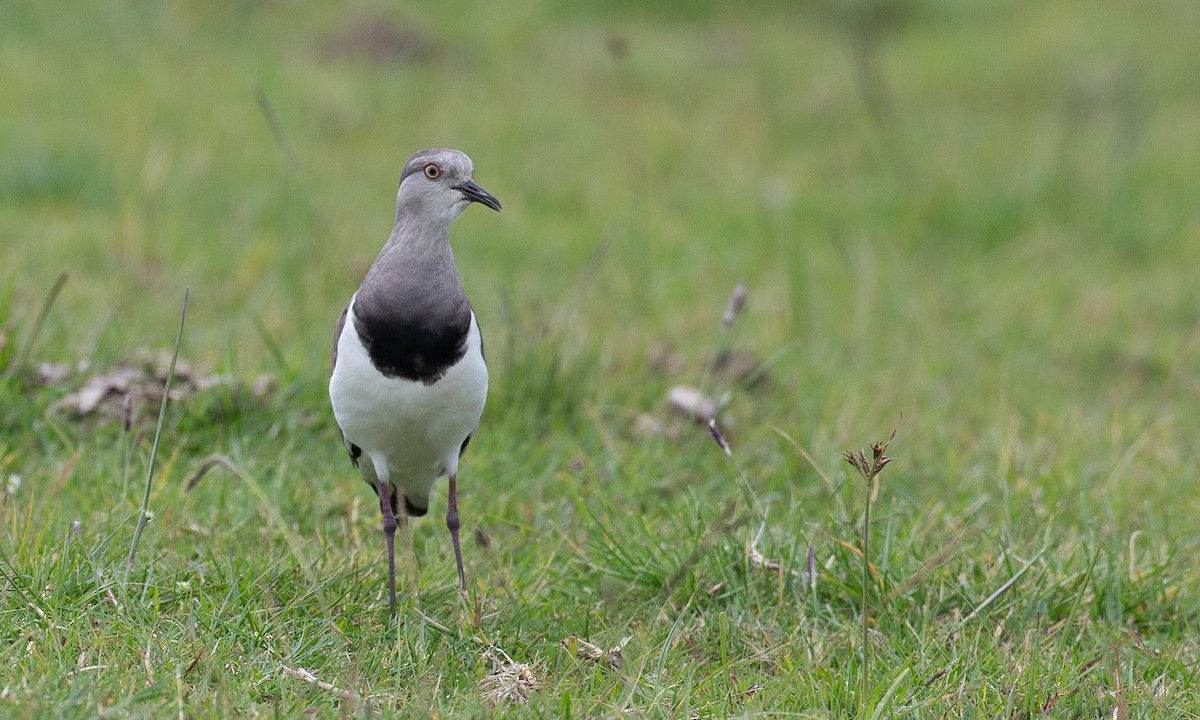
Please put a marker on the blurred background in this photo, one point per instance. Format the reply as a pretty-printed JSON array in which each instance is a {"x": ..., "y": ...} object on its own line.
[{"x": 983, "y": 214}]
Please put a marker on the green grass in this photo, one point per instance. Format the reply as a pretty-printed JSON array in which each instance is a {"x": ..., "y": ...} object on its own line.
[{"x": 996, "y": 236}]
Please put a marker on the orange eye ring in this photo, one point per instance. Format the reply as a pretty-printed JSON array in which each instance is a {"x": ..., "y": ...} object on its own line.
[{"x": 432, "y": 171}]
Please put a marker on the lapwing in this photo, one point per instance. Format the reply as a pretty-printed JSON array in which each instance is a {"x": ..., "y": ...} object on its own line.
[{"x": 409, "y": 377}]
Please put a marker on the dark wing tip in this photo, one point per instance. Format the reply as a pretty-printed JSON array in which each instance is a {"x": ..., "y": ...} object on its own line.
[{"x": 413, "y": 510}]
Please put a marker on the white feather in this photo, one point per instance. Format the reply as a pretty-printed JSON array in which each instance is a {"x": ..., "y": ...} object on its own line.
[{"x": 410, "y": 433}]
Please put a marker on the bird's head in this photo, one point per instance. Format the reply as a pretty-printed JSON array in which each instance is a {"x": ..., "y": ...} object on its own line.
[{"x": 437, "y": 181}]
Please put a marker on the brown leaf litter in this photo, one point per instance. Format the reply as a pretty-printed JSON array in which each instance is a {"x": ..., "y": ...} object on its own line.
[{"x": 110, "y": 393}]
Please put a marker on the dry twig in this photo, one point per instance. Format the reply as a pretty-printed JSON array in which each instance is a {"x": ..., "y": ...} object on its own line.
[
  {"x": 306, "y": 676},
  {"x": 509, "y": 682},
  {"x": 595, "y": 653}
]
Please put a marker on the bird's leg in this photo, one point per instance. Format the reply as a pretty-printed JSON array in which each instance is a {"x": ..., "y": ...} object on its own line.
[
  {"x": 389, "y": 531},
  {"x": 453, "y": 523}
]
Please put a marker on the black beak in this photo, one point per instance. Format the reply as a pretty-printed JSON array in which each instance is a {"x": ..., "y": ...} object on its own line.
[{"x": 474, "y": 193}]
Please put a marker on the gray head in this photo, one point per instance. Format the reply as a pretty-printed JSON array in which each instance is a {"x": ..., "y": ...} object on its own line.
[{"x": 436, "y": 182}]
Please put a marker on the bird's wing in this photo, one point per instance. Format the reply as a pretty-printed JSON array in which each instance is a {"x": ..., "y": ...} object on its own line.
[
  {"x": 354, "y": 450},
  {"x": 480, "y": 327},
  {"x": 337, "y": 330}
]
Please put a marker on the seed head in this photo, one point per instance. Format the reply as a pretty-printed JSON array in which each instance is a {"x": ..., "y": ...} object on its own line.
[
  {"x": 718, "y": 436},
  {"x": 870, "y": 468},
  {"x": 737, "y": 301}
]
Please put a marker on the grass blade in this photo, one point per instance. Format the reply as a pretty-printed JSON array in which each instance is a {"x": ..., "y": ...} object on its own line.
[
  {"x": 51, "y": 296},
  {"x": 886, "y": 701},
  {"x": 143, "y": 514}
]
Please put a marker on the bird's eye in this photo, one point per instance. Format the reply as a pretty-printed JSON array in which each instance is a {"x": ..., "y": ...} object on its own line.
[{"x": 433, "y": 172}]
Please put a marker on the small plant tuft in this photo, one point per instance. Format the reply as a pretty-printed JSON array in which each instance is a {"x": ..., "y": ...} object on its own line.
[{"x": 869, "y": 468}]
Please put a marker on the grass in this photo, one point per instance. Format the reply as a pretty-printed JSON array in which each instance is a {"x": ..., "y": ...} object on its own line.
[{"x": 980, "y": 216}]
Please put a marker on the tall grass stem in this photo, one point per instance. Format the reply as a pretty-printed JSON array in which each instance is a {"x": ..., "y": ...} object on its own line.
[
  {"x": 869, "y": 468},
  {"x": 866, "y": 584},
  {"x": 144, "y": 512}
]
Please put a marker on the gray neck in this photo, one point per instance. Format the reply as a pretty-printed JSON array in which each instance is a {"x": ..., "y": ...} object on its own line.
[{"x": 414, "y": 274}]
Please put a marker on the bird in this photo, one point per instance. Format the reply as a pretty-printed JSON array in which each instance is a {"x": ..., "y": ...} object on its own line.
[{"x": 409, "y": 378}]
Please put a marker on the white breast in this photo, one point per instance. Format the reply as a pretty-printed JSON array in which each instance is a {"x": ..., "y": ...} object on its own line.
[{"x": 409, "y": 430}]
